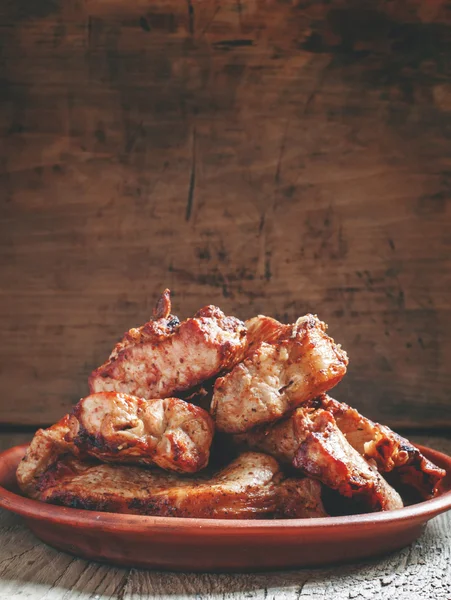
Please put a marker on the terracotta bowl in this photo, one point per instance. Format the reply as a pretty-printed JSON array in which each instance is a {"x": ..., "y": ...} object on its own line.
[{"x": 219, "y": 545}]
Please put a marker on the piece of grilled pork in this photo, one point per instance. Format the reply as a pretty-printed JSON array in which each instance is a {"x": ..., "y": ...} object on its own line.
[
  {"x": 285, "y": 366},
  {"x": 169, "y": 433},
  {"x": 252, "y": 486},
  {"x": 165, "y": 357},
  {"x": 310, "y": 440}
]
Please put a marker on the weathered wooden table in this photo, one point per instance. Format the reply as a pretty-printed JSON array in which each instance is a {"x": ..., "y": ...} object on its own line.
[{"x": 29, "y": 569}]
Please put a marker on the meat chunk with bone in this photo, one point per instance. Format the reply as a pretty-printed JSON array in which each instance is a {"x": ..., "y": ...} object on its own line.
[{"x": 165, "y": 357}]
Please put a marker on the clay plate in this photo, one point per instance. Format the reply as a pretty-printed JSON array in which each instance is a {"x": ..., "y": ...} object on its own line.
[{"x": 219, "y": 545}]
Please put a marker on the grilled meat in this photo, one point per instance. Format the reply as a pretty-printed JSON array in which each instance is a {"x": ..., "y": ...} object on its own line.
[
  {"x": 45, "y": 449},
  {"x": 164, "y": 356},
  {"x": 326, "y": 455},
  {"x": 386, "y": 449},
  {"x": 166, "y": 432},
  {"x": 266, "y": 329},
  {"x": 299, "y": 363},
  {"x": 250, "y": 487},
  {"x": 118, "y": 428},
  {"x": 310, "y": 440},
  {"x": 262, "y": 381},
  {"x": 300, "y": 499}
]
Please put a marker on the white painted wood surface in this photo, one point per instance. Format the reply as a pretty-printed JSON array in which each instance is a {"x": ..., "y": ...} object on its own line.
[{"x": 31, "y": 570}]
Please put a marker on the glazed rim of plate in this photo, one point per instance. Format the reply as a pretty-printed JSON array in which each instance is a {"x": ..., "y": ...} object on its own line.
[{"x": 65, "y": 515}]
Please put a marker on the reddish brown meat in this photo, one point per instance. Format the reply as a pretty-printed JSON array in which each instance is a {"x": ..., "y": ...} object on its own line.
[
  {"x": 299, "y": 363},
  {"x": 117, "y": 428},
  {"x": 165, "y": 357},
  {"x": 310, "y": 440},
  {"x": 326, "y": 455},
  {"x": 388, "y": 450},
  {"x": 301, "y": 499},
  {"x": 45, "y": 449},
  {"x": 169, "y": 432},
  {"x": 250, "y": 487}
]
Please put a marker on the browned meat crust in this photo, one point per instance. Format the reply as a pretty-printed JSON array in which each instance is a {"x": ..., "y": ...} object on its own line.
[
  {"x": 166, "y": 432},
  {"x": 301, "y": 362},
  {"x": 326, "y": 455},
  {"x": 164, "y": 357},
  {"x": 162, "y": 309},
  {"x": 310, "y": 440},
  {"x": 117, "y": 428},
  {"x": 263, "y": 381},
  {"x": 45, "y": 449},
  {"x": 388, "y": 450},
  {"x": 250, "y": 487},
  {"x": 300, "y": 499},
  {"x": 266, "y": 329}
]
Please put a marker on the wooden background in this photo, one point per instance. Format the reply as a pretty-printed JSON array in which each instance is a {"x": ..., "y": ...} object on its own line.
[{"x": 269, "y": 156}]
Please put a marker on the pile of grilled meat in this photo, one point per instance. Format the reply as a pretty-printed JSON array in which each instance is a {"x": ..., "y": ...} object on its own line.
[{"x": 215, "y": 418}]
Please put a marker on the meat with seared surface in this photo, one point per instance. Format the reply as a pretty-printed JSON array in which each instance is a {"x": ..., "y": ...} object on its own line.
[
  {"x": 44, "y": 450},
  {"x": 251, "y": 486},
  {"x": 264, "y": 382},
  {"x": 300, "y": 498},
  {"x": 164, "y": 356},
  {"x": 118, "y": 428},
  {"x": 299, "y": 362},
  {"x": 168, "y": 432},
  {"x": 310, "y": 440},
  {"x": 389, "y": 451}
]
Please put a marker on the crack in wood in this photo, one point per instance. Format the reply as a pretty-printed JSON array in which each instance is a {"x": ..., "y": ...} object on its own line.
[
  {"x": 317, "y": 87},
  {"x": 281, "y": 153},
  {"x": 190, "y": 16},
  {"x": 301, "y": 587},
  {"x": 192, "y": 179},
  {"x": 120, "y": 590},
  {"x": 19, "y": 555},
  {"x": 102, "y": 579},
  {"x": 60, "y": 577},
  {"x": 226, "y": 44},
  {"x": 89, "y": 32}
]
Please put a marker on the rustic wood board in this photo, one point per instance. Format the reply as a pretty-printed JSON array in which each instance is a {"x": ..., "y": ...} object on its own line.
[
  {"x": 29, "y": 569},
  {"x": 267, "y": 156}
]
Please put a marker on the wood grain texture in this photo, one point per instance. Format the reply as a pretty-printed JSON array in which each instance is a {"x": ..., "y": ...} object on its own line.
[
  {"x": 267, "y": 156},
  {"x": 29, "y": 569}
]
